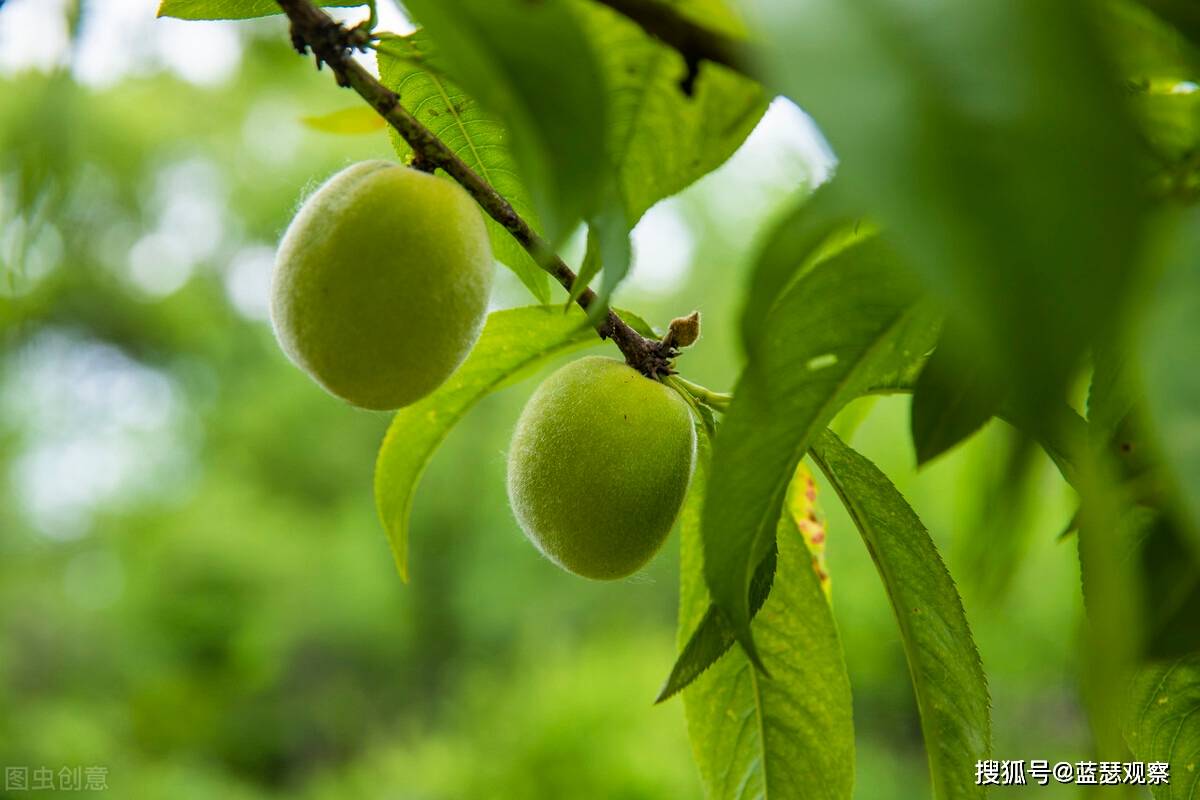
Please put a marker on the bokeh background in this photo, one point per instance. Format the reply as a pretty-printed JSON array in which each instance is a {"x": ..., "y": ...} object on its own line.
[{"x": 194, "y": 591}]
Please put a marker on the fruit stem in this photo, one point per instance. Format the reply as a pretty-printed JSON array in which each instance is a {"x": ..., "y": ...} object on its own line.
[
  {"x": 717, "y": 401},
  {"x": 332, "y": 44}
]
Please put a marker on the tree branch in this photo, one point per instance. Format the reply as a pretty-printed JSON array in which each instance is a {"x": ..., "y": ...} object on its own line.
[
  {"x": 333, "y": 45},
  {"x": 694, "y": 41}
]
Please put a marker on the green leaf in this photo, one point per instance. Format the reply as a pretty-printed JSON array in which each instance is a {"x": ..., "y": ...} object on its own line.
[
  {"x": 410, "y": 66},
  {"x": 951, "y": 689},
  {"x": 1113, "y": 392},
  {"x": 1156, "y": 63},
  {"x": 712, "y": 636},
  {"x": 531, "y": 65},
  {"x": 953, "y": 398},
  {"x": 815, "y": 229},
  {"x": 788, "y": 737},
  {"x": 660, "y": 140},
  {"x": 347, "y": 121},
  {"x": 588, "y": 269},
  {"x": 1168, "y": 355},
  {"x": 1163, "y": 724},
  {"x": 1170, "y": 579},
  {"x": 616, "y": 252},
  {"x": 1184, "y": 15},
  {"x": 513, "y": 342},
  {"x": 846, "y": 324},
  {"x": 234, "y": 9},
  {"x": 1112, "y": 637},
  {"x": 1008, "y": 191},
  {"x": 1064, "y": 439}
]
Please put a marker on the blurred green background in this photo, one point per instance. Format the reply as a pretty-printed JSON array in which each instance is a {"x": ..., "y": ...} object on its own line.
[{"x": 194, "y": 590}]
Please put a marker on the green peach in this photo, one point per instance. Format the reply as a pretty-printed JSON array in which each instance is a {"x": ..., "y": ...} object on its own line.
[
  {"x": 599, "y": 466},
  {"x": 381, "y": 284}
]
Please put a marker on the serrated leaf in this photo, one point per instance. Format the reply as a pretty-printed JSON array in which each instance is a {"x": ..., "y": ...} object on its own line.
[
  {"x": 410, "y": 66},
  {"x": 788, "y": 737},
  {"x": 533, "y": 67},
  {"x": 660, "y": 140},
  {"x": 712, "y": 637},
  {"x": 355, "y": 120},
  {"x": 947, "y": 676},
  {"x": 954, "y": 396},
  {"x": 234, "y": 9},
  {"x": 845, "y": 324},
  {"x": 1006, "y": 191},
  {"x": 1163, "y": 724},
  {"x": 513, "y": 341}
]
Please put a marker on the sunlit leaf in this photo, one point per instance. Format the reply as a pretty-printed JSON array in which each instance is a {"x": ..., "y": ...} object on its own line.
[
  {"x": 1184, "y": 15},
  {"x": 846, "y": 324},
  {"x": 951, "y": 689},
  {"x": 233, "y": 9},
  {"x": 513, "y": 342},
  {"x": 1163, "y": 724},
  {"x": 354, "y": 120},
  {"x": 533, "y": 67},
  {"x": 790, "y": 736},
  {"x": 409, "y": 65},
  {"x": 713, "y": 636},
  {"x": 1160, "y": 70},
  {"x": 660, "y": 139}
]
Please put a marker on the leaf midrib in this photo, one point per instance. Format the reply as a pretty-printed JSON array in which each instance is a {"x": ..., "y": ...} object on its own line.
[
  {"x": 483, "y": 169},
  {"x": 760, "y": 715},
  {"x": 806, "y": 441},
  {"x": 908, "y": 639}
]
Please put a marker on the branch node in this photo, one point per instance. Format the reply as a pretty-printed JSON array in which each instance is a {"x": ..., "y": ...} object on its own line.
[
  {"x": 687, "y": 84},
  {"x": 420, "y": 162}
]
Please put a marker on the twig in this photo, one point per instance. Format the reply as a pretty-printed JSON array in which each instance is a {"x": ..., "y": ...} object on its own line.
[
  {"x": 333, "y": 45},
  {"x": 694, "y": 41}
]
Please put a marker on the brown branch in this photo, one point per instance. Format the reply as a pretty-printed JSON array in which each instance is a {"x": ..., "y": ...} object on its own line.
[
  {"x": 694, "y": 41},
  {"x": 333, "y": 45}
]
